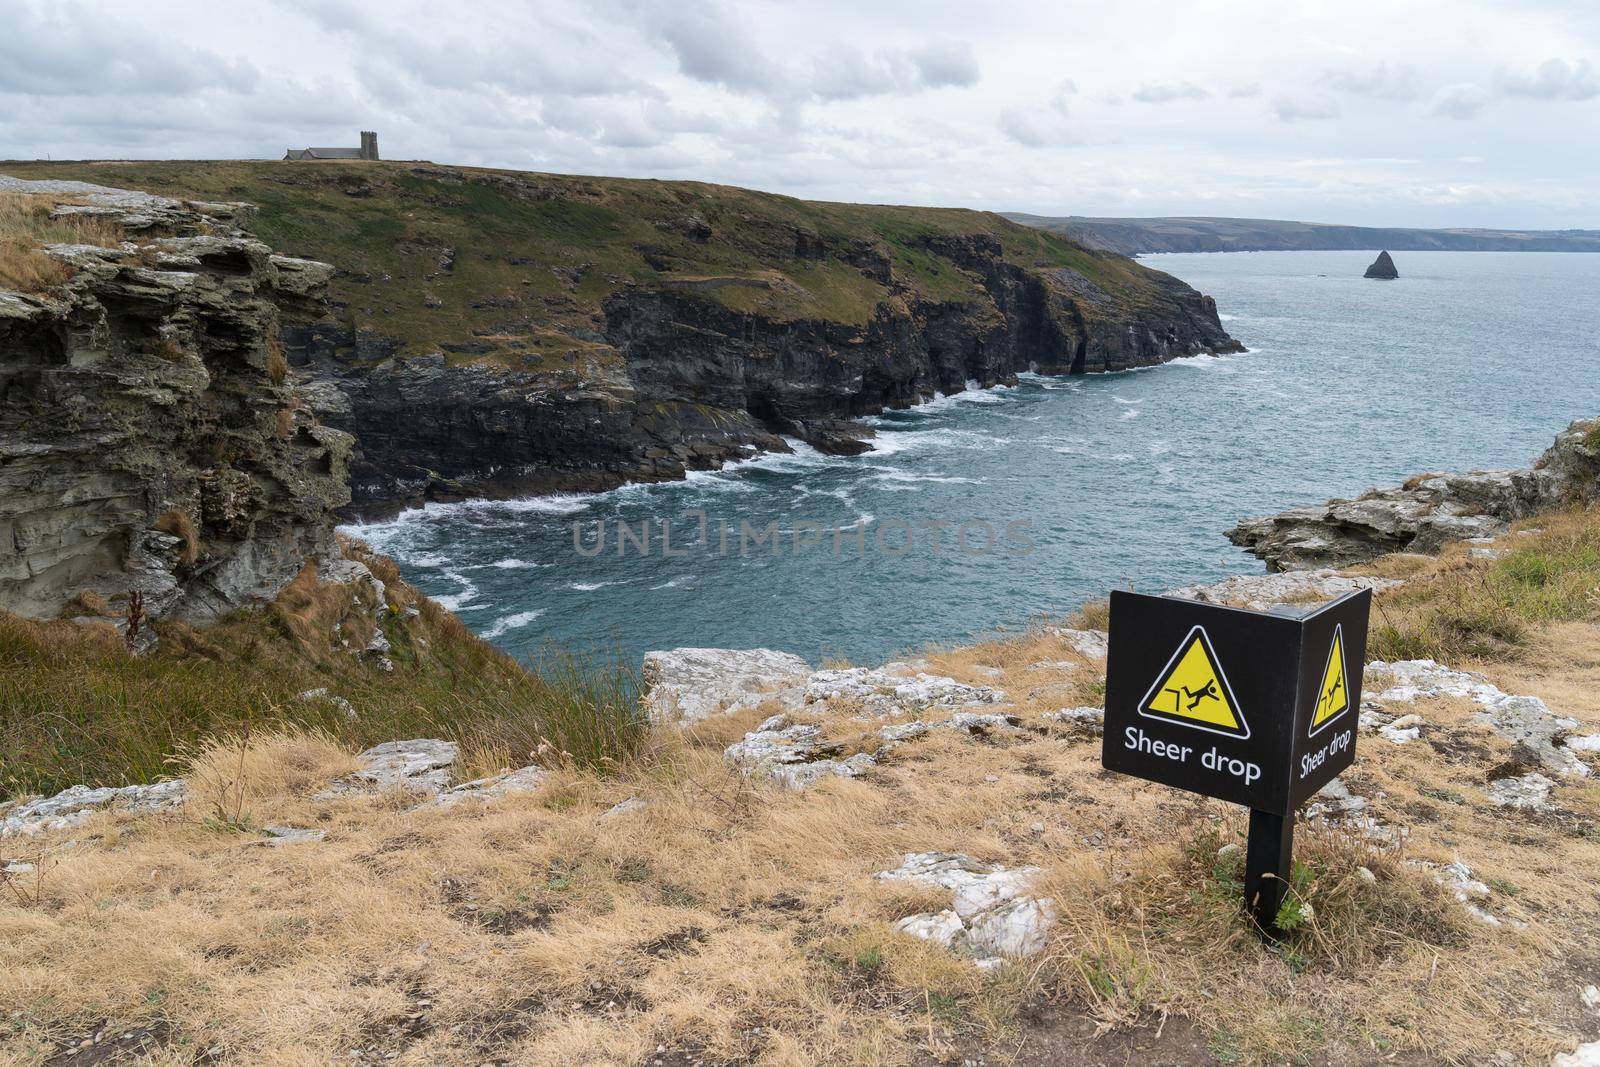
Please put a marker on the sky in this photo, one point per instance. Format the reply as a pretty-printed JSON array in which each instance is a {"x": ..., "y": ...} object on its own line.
[{"x": 1399, "y": 112}]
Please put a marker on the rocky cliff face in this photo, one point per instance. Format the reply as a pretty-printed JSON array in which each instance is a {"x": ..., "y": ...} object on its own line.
[
  {"x": 691, "y": 382},
  {"x": 151, "y": 437},
  {"x": 1429, "y": 511}
]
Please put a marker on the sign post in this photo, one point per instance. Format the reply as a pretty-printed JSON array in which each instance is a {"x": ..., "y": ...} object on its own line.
[{"x": 1255, "y": 708}]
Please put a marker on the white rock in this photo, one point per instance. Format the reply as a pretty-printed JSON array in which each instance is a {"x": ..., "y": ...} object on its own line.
[
  {"x": 421, "y": 766},
  {"x": 521, "y": 780},
  {"x": 312, "y": 696},
  {"x": 799, "y": 776},
  {"x": 1366, "y": 875},
  {"x": 292, "y": 835},
  {"x": 791, "y": 755},
  {"x": 1405, "y": 728},
  {"x": 624, "y": 807},
  {"x": 1584, "y": 743},
  {"x": 979, "y": 725},
  {"x": 692, "y": 683},
  {"x": 942, "y": 928},
  {"x": 1585, "y": 1055},
  {"x": 905, "y": 731},
  {"x": 1091, "y": 643},
  {"x": 1092, "y": 719},
  {"x": 1017, "y": 927},
  {"x": 990, "y": 914},
  {"x": 1457, "y": 878},
  {"x": 1522, "y": 720},
  {"x": 1262, "y": 591},
  {"x": 76, "y": 804},
  {"x": 1531, "y": 791},
  {"x": 891, "y": 689}
]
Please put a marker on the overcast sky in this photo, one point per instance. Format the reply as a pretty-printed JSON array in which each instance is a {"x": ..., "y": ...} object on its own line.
[{"x": 1397, "y": 112}]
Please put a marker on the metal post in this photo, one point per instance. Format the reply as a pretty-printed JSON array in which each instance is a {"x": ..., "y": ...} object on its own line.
[{"x": 1268, "y": 854}]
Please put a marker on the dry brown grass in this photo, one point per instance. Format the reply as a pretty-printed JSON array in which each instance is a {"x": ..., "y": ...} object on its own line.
[
  {"x": 177, "y": 523},
  {"x": 744, "y": 923},
  {"x": 26, "y": 223},
  {"x": 277, "y": 363}
]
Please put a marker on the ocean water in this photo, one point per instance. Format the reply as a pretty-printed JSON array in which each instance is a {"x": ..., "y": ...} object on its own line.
[{"x": 1054, "y": 491}]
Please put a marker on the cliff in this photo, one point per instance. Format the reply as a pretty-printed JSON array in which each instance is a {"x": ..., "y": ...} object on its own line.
[
  {"x": 497, "y": 332},
  {"x": 1428, "y": 511},
  {"x": 151, "y": 437}
]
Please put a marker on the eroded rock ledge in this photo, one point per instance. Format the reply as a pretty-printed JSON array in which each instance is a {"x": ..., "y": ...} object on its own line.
[
  {"x": 1429, "y": 511},
  {"x": 152, "y": 439}
]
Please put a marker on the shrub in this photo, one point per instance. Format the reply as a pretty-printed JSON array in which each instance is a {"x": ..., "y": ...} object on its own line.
[{"x": 277, "y": 365}]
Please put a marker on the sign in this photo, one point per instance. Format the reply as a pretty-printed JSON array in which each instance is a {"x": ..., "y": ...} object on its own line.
[
  {"x": 1257, "y": 708},
  {"x": 1192, "y": 690},
  {"x": 1252, "y": 707}
]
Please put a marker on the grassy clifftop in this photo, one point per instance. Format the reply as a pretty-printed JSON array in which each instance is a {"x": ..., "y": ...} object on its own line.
[{"x": 520, "y": 263}]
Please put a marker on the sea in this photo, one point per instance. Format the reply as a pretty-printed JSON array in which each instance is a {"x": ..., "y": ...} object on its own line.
[{"x": 985, "y": 511}]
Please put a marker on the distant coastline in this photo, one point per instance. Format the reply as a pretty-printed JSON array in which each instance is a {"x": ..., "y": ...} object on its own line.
[{"x": 1133, "y": 236}]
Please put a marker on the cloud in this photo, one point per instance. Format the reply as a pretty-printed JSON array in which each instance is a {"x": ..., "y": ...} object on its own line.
[
  {"x": 67, "y": 49},
  {"x": 1245, "y": 91},
  {"x": 716, "y": 45},
  {"x": 1381, "y": 81},
  {"x": 1291, "y": 108},
  {"x": 1160, "y": 93},
  {"x": 1049, "y": 126},
  {"x": 1554, "y": 79},
  {"x": 846, "y": 73},
  {"x": 1462, "y": 101}
]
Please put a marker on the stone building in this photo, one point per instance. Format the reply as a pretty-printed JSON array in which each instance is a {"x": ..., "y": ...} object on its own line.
[{"x": 368, "y": 150}]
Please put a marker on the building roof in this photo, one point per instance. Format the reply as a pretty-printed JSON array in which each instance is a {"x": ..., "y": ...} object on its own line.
[{"x": 323, "y": 153}]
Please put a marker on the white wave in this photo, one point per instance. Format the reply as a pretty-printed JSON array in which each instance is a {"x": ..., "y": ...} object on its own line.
[
  {"x": 1131, "y": 413},
  {"x": 682, "y": 579},
  {"x": 589, "y": 587},
  {"x": 1223, "y": 317},
  {"x": 1124, "y": 400},
  {"x": 1203, "y": 360},
  {"x": 1160, "y": 448},
  {"x": 511, "y": 622},
  {"x": 462, "y": 596},
  {"x": 515, "y": 565},
  {"x": 896, "y": 474}
]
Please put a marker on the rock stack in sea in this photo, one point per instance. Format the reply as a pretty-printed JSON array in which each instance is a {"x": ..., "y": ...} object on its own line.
[{"x": 1383, "y": 268}]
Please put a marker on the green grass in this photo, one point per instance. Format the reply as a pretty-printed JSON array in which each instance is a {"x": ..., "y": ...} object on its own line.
[
  {"x": 519, "y": 240},
  {"x": 1551, "y": 576},
  {"x": 76, "y": 706}
]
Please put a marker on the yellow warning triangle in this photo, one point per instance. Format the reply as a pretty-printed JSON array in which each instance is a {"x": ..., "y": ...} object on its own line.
[
  {"x": 1192, "y": 690},
  {"x": 1333, "y": 696}
]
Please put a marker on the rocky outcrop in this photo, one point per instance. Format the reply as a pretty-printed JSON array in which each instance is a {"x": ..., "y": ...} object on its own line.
[
  {"x": 1429, "y": 511},
  {"x": 688, "y": 684},
  {"x": 1383, "y": 268},
  {"x": 151, "y": 439}
]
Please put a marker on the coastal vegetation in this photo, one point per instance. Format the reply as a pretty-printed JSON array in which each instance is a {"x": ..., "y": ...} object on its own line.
[
  {"x": 27, "y": 222},
  {"x": 77, "y": 705},
  {"x": 453, "y": 259},
  {"x": 716, "y": 918}
]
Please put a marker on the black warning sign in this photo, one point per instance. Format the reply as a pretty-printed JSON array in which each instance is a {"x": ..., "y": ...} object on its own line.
[{"x": 1257, "y": 708}]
